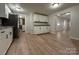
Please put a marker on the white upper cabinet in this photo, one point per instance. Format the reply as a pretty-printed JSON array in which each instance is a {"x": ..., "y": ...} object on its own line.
[
  {"x": 7, "y": 11},
  {"x": 41, "y": 26},
  {"x": 40, "y": 18},
  {"x": 43, "y": 18},
  {"x": 35, "y": 17},
  {"x": 2, "y": 10}
]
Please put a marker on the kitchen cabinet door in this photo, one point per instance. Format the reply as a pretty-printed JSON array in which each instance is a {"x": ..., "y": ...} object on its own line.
[
  {"x": 41, "y": 29},
  {"x": 45, "y": 19},
  {"x": 10, "y": 33},
  {"x": 37, "y": 30},
  {"x": 35, "y": 17},
  {"x": 40, "y": 18},
  {"x": 3, "y": 44},
  {"x": 5, "y": 40},
  {"x": 47, "y": 29},
  {"x": 9, "y": 37},
  {"x": 1, "y": 49}
]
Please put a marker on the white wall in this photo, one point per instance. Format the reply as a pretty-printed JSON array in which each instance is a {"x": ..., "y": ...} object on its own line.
[
  {"x": 74, "y": 20},
  {"x": 31, "y": 22},
  {"x": 28, "y": 22},
  {"x": 52, "y": 22},
  {"x": 29, "y": 25}
]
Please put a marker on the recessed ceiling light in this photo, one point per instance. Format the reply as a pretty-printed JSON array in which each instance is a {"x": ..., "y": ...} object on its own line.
[
  {"x": 17, "y": 7},
  {"x": 67, "y": 13},
  {"x": 55, "y": 5}
]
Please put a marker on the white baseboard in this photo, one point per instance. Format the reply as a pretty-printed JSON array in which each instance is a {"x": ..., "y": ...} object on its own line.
[{"x": 74, "y": 38}]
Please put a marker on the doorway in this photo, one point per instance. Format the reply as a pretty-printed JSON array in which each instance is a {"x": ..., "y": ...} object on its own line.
[
  {"x": 22, "y": 24},
  {"x": 63, "y": 22}
]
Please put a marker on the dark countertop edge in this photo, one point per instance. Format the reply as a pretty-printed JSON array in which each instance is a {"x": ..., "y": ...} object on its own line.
[
  {"x": 5, "y": 27},
  {"x": 40, "y": 22},
  {"x": 41, "y": 25}
]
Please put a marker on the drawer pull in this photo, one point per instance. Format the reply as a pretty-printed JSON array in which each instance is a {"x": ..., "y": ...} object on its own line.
[
  {"x": 7, "y": 36},
  {"x": 10, "y": 33},
  {"x": 2, "y": 31}
]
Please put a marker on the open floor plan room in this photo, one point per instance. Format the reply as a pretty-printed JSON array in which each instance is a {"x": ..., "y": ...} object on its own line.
[{"x": 39, "y": 28}]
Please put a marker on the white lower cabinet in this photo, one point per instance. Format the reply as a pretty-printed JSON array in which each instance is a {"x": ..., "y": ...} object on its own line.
[
  {"x": 41, "y": 29},
  {"x": 36, "y": 30},
  {"x": 47, "y": 29},
  {"x": 5, "y": 40}
]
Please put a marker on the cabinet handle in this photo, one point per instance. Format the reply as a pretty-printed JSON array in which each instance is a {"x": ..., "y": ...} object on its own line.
[
  {"x": 7, "y": 36},
  {"x": 2, "y": 31},
  {"x": 10, "y": 33}
]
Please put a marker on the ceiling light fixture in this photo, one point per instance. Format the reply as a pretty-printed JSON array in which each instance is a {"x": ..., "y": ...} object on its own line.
[
  {"x": 55, "y": 5},
  {"x": 17, "y": 7},
  {"x": 67, "y": 13}
]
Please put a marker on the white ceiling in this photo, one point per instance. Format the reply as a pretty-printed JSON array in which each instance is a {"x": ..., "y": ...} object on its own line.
[{"x": 42, "y": 7}]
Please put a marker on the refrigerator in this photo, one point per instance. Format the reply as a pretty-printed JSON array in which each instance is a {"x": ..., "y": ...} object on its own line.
[{"x": 12, "y": 21}]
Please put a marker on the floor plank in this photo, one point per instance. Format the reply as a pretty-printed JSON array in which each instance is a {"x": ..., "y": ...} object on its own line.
[{"x": 45, "y": 44}]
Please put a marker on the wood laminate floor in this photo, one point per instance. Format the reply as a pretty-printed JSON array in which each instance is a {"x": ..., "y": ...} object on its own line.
[{"x": 44, "y": 44}]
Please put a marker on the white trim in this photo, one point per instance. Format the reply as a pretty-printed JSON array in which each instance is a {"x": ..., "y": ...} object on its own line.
[{"x": 74, "y": 38}]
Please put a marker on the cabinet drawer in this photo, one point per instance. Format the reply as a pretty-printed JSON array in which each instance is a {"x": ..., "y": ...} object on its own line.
[
  {"x": 37, "y": 30},
  {"x": 3, "y": 34}
]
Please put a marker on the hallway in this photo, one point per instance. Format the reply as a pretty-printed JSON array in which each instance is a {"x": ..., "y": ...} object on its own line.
[{"x": 44, "y": 44}]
